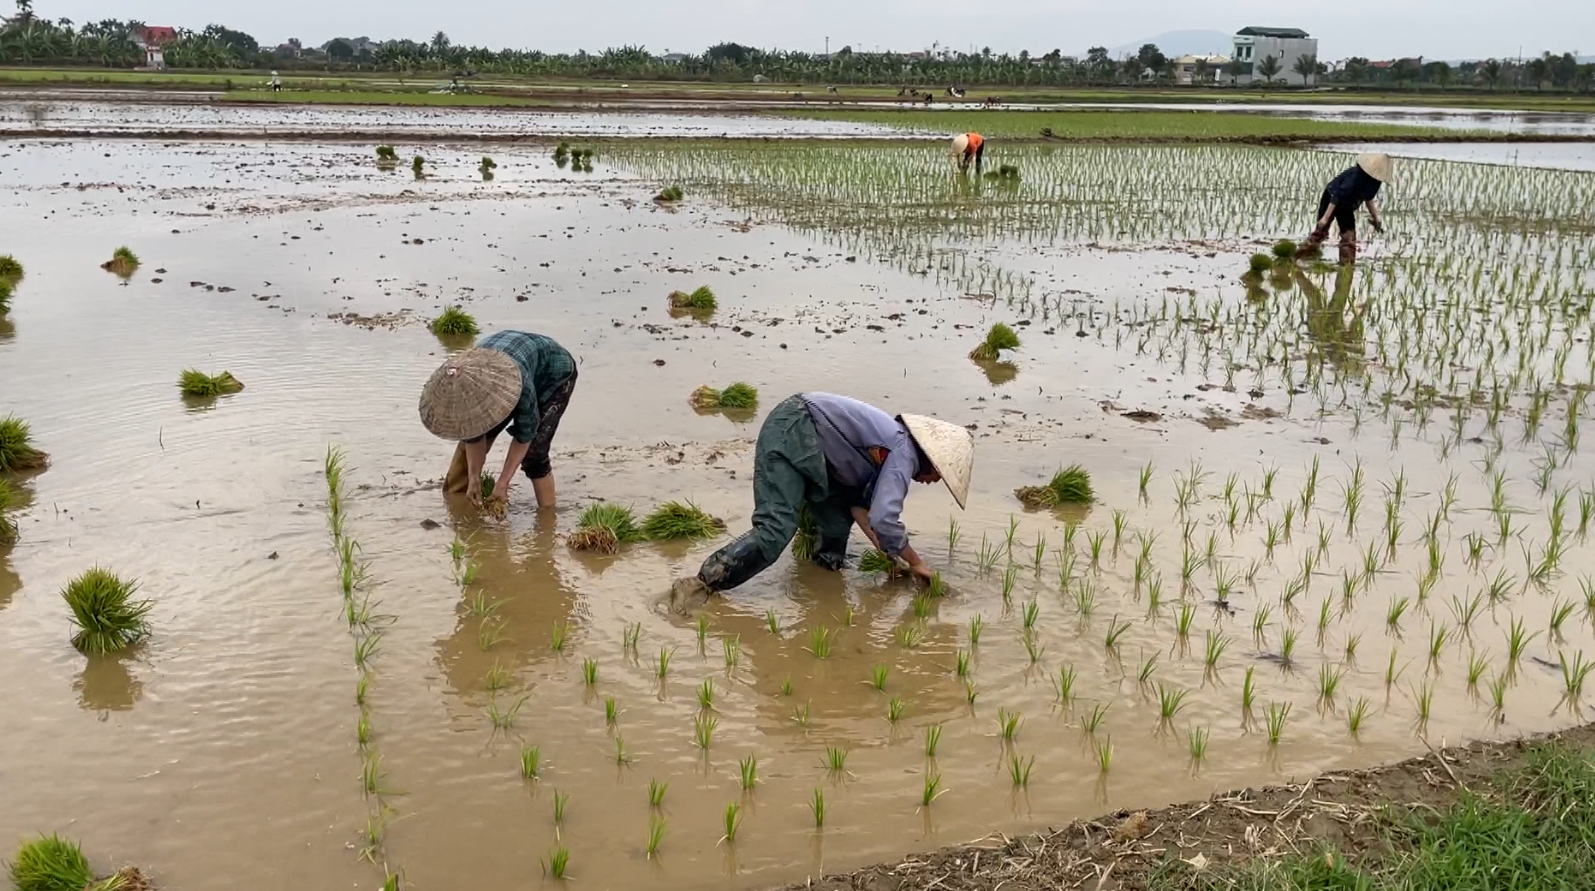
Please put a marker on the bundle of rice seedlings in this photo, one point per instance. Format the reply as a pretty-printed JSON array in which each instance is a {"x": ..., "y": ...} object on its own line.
[
  {"x": 739, "y": 395},
  {"x": 123, "y": 262},
  {"x": 1008, "y": 171},
  {"x": 194, "y": 382},
  {"x": 107, "y": 617},
  {"x": 488, "y": 164},
  {"x": 669, "y": 194},
  {"x": 16, "y": 451},
  {"x": 51, "y": 863},
  {"x": 1071, "y": 485},
  {"x": 806, "y": 536},
  {"x": 489, "y": 482},
  {"x": 999, "y": 338},
  {"x": 705, "y": 398},
  {"x": 1284, "y": 249},
  {"x": 875, "y": 561},
  {"x": 562, "y": 153},
  {"x": 5, "y": 296},
  {"x": 386, "y": 155},
  {"x": 1260, "y": 263},
  {"x": 701, "y": 300},
  {"x": 454, "y": 322},
  {"x": 604, "y": 528},
  {"x": 11, "y": 270},
  {"x": 8, "y": 529},
  {"x": 675, "y": 520},
  {"x": 419, "y": 166}
]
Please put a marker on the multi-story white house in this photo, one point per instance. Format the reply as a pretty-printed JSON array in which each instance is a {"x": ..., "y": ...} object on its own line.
[{"x": 1284, "y": 45}]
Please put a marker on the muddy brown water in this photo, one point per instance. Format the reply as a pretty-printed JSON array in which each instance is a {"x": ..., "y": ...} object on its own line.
[{"x": 222, "y": 753}]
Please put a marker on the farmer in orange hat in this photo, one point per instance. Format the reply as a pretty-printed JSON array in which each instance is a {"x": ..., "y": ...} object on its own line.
[{"x": 968, "y": 147}]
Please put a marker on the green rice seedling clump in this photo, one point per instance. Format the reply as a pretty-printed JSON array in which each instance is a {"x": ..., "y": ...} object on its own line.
[
  {"x": 386, "y": 155},
  {"x": 10, "y": 268},
  {"x": 875, "y": 561},
  {"x": 123, "y": 262},
  {"x": 488, "y": 164},
  {"x": 604, "y": 528},
  {"x": 5, "y": 296},
  {"x": 16, "y": 449},
  {"x": 1284, "y": 249},
  {"x": 675, "y": 520},
  {"x": 700, "y": 300},
  {"x": 1071, "y": 485},
  {"x": 198, "y": 384},
  {"x": 669, "y": 195},
  {"x": 8, "y": 529},
  {"x": 107, "y": 617},
  {"x": 1259, "y": 264},
  {"x": 454, "y": 322},
  {"x": 999, "y": 338},
  {"x": 51, "y": 863},
  {"x": 739, "y": 395}
]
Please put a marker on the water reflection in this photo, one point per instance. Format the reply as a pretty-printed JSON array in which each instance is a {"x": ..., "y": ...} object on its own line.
[
  {"x": 1334, "y": 322},
  {"x": 107, "y": 684}
]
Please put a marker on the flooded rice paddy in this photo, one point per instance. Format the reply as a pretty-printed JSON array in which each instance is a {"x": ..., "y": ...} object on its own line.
[{"x": 1320, "y": 496}]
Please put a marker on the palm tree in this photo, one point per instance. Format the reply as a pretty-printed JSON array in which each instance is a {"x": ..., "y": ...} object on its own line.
[
  {"x": 1492, "y": 72},
  {"x": 1200, "y": 72},
  {"x": 1268, "y": 68},
  {"x": 1306, "y": 66}
]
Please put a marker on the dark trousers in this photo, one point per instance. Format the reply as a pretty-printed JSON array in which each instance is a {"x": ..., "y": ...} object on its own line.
[
  {"x": 790, "y": 473},
  {"x": 537, "y": 463}
]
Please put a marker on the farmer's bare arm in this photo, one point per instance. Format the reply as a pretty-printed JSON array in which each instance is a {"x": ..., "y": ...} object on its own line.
[
  {"x": 861, "y": 517},
  {"x": 1373, "y": 214},
  {"x": 512, "y": 463},
  {"x": 475, "y": 457},
  {"x": 919, "y": 567},
  {"x": 543, "y": 488}
]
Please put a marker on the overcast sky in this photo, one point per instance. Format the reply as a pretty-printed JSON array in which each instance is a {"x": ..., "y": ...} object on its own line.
[{"x": 1446, "y": 29}]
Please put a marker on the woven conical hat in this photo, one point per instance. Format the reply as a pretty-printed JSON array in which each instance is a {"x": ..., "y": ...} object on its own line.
[
  {"x": 949, "y": 447},
  {"x": 1377, "y": 165},
  {"x": 470, "y": 393}
]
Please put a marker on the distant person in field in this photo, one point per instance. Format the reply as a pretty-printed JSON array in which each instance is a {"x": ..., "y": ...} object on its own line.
[
  {"x": 276, "y": 83},
  {"x": 511, "y": 382},
  {"x": 968, "y": 147},
  {"x": 1356, "y": 186}
]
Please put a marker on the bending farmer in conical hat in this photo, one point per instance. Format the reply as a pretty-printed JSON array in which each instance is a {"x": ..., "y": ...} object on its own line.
[
  {"x": 512, "y": 381},
  {"x": 968, "y": 147},
  {"x": 846, "y": 462},
  {"x": 1357, "y": 185}
]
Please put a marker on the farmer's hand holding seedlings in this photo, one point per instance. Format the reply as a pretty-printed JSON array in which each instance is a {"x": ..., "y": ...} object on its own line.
[
  {"x": 831, "y": 455},
  {"x": 907, "y": 557}
]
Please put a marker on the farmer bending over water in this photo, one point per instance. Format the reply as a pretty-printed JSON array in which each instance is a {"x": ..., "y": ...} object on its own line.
[
  {"x": 1345, "y": 193},
  {"x": 846, "y": 462},
  {"x": 968, "y": 147},
  {"x": 511, "y": 381}
]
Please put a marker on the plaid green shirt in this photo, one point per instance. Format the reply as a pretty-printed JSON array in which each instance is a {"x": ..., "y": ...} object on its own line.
[{"x": 544, "y": 366}]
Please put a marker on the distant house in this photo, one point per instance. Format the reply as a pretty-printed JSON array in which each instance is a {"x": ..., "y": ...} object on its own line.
[
  {"x": 673, "y": 58},
  {"x": 1185, "y": 68},
  {"x": 1285, "y": 45},
  {"x": 153, "y": 40}
]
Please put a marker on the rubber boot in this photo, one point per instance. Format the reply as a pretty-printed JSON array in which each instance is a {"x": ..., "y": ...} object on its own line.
[
  {"x": 1309, "y": 248},
  {"x": 1348, "y": 249}
]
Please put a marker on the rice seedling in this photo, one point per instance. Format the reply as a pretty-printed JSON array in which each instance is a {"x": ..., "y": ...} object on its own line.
[
  {"x": 1326, "y": 614},
  {"x": 454, "y": 322},
  {"x": 559, "y": 637},
  {"x": 817, "y": 807},
  {"x": 1090, "y": 723},
  {"x": 1357, "y": 715},
  {"x": 106, "y": 616},
  {"x": 1518, "y": 640},
  {"x": 1170, "y": 701},
  {"x": 1033, "y": 646},
  {"x": 748, "y": 773},
  {"x": 1216, "y": 645},
  {"x": 1477, "y": 662},
  {"x": 1276, "y": 715},
  {"x": 1573, "y": 676},
  {"x": 1498, "y": 687},
  {"x": 1008, "y": 724},
  {"x": 910, "y": 636},
  {"x": 558, "y": 862},
  {"x": 705, "y": 694},
  {"x": 800, "y": 715},
  {"x": 1145, "y": 478},
  {"x": 371, "y": 775},
  {"x": 952, "y": 535},
  {"x": 874, "y": 561},
  {"x": 677, "y": 520},
  {"x": 656, "y": 793},
  {"x": 1196, "y": 739},
  {"x": 630, "y": 637},
  {"x": 479, "y": 604},
  {"x": 1560, "y": 610},
  {"x": 1085, "y": 598},
  {"x": 503, "y": 718},
  {"x": 362, "y": 729},
  {"x": 604, "y": 528},
  {"x": 1182, "y": 622},
  {"x": 1351, "y": 648},
  {"x": 1032, "y": 611},
  {"x": 1019, "y": 770},
  {"x": 1287, "y": 647},
  {"x": 1148, "y": 668},
  {"x": 1260, "y": 622},
  {"x": 418, "y": 166},
  {"x": 1095, "y": 539},
  {"x": 1438, "y": 635},
  {"x": 669, "y": 195},
  {"x": 1070, "y": 485},
  {"x": 932, "y": 790},
  {"x": 656, "y": 834},
  {"x": 531, "y": 762},
  {"x": 738, "y": 397},
  {"x": 1248, "y": 691},
  {"x": 1104, "y": 753},
  {"x": 703, "y": 728},
  {"x": 961, "y": 663},
  {"x": 1424, "y": 696},
  {"x": 10, "y": 269},
  {"x": 820, "y": 641},
  {"x": 1397, "y": 609},
  {"x": 1116, "y": 630},
  {"x": 732, "y": 822},
  {"x": 835, "y": 760},
  {"x": 199, "y": 385},
  {"x": 772, "y": 622},
  {"x": 1328, "y": 683},
  {"x": 1501, "y": 587},
  {"x": 662, "y": 667},
  {"x": 733, "y": 650},
  {"x": 894, "y": 710},
  {"x": 923, "y": 605},
  {"x": 51, "y": 863},
  {"x": 123, "y": 262},
  {"x": 999, "y": 338}
]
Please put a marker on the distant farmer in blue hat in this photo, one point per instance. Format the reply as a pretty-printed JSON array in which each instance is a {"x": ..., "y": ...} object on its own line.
[{"x": 1356, "y": 186}]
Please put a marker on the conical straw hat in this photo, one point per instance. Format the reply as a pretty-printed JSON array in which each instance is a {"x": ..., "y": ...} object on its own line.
[
  {"x": 1377, "y": 165},
  {"x": 470, "y": 393},
  {"x": 949, "y": 447}
]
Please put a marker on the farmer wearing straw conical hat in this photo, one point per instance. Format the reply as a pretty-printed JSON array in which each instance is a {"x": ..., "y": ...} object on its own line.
[
  {"x": 512, "y": 381},
  {"x": 968, "y": 147},
  {"x": 1357, "y": 185},
  {"x": 847, "y": 462}
]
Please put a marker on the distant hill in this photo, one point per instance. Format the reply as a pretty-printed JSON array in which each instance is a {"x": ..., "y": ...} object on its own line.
[{"x": 1179, "y": 43}]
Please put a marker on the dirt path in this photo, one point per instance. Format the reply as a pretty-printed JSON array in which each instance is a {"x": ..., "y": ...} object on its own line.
[{"x": 1122, "y": 851}]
